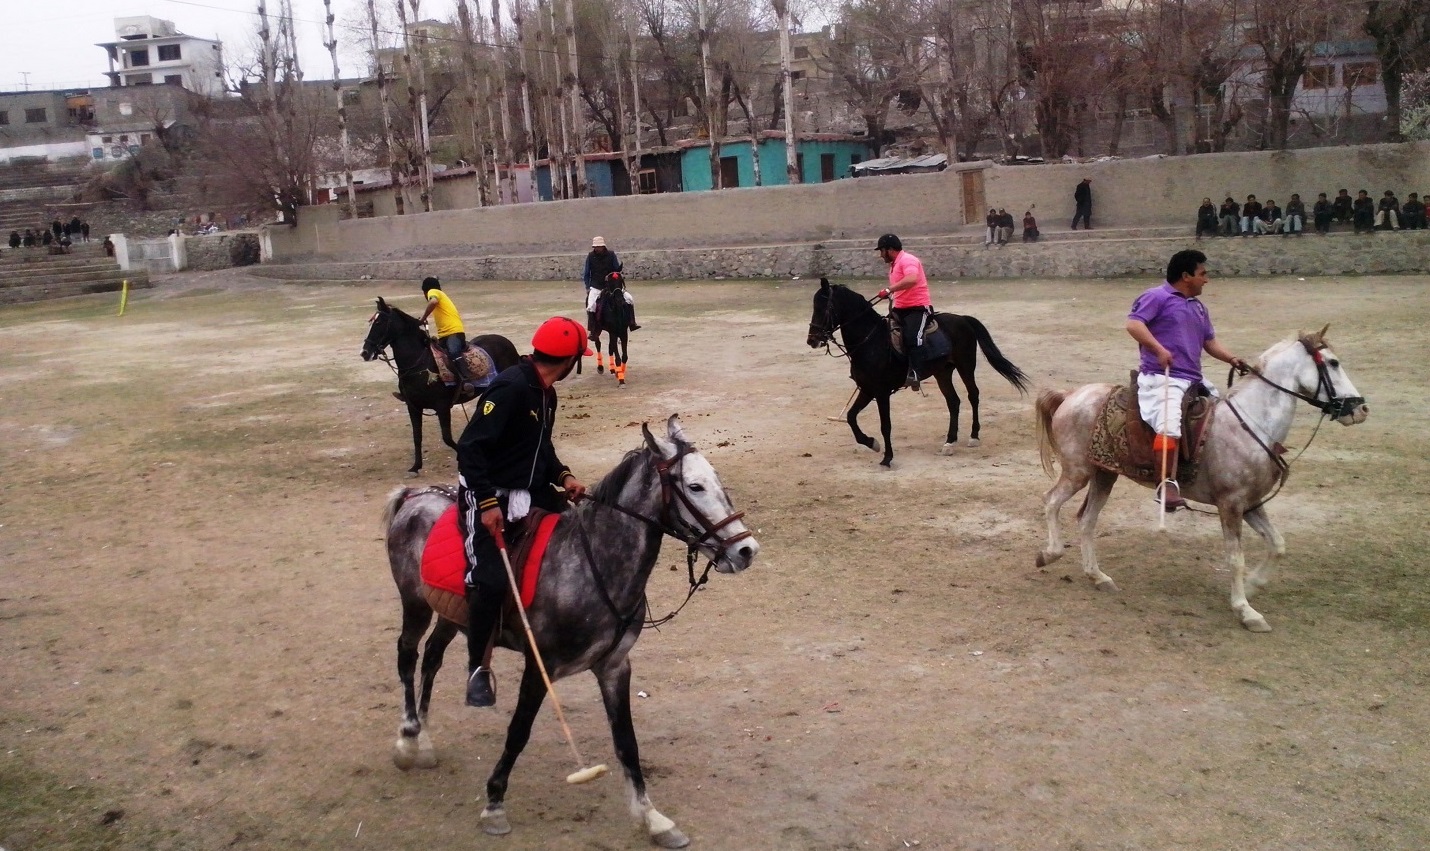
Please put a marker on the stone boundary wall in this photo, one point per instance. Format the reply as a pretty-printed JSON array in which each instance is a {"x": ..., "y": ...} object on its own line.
[
  {"x": 215, "y": 251},
  {"x": 1127, "y": 193},
  {"x": 1338, "y": 254}
]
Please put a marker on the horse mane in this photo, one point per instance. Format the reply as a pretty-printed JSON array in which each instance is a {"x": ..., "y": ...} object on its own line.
[{"x": 610, "y": 485}]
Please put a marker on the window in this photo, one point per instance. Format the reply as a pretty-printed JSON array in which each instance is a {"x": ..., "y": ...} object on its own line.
[
  {"x": 168, "y": 53},
  {"x": 106, "y": 139},
  {"x": 1319, "y": 77},
  {"x": 126, "y": 108},
  {"x": 97, "y": 153},
  {"x": 39, "y": 115},
  {"x": 138, "y": 58},
  {"x": 648, "y": 185},
  {"x": 796, "y": 75},
  {"x": 124, "y": 140},
  {"x": 173, "y": 79},
  {"x": 144, "y": 138},
  {"x": 1360, "y": 74},
  {"x": 801, "y": 52},
  {"x": 826, "y": 167},
  {"x": 4, "y": 116}
]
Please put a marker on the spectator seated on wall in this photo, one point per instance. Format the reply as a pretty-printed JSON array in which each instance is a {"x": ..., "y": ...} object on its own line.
[
  {"x": 1363, "y": 212},
  {"x": 1230, "y": 216},
  {"x": 1206, "y": 218},
  {"x": 1387, "y": 213},
  {"x": 1412, "y": 213}
]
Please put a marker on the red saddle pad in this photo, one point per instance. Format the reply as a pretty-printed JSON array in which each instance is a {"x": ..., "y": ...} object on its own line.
[{"x": 444, "y": 559}]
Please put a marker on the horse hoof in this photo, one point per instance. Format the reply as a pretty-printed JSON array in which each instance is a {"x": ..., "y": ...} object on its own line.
[
  {"x": 1257, "y": 624},
  {"x": 672, "y": 838},
  {"x": 426, "y": 754},
  {"x": 1045, "y": 558},
  {"x": 1107, "y": 585},
  {"x": 887, "y": 463},
  {"x": 600, "y": 370},
  {"x": 412, "y": 474},
  {"x": 973, "y": 443},
  {"x": 494, "y": 823},
  {"x": 947, "y": 448},
  {"x": 404, "y": 753}
]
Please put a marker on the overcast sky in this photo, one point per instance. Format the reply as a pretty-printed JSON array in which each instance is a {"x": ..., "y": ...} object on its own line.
[{"x": 54, "y": 40}]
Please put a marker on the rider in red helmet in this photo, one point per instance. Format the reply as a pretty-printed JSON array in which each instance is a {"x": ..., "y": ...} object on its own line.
[{"x": 506, "y": 463}]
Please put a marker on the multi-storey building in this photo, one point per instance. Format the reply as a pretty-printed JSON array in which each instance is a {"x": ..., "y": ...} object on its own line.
[{"x": 151, "y": 52}]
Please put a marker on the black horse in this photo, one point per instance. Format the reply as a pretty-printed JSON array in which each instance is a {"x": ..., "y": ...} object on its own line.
[
  {"x": 417, "y": 381},
  {"x": 879, "y": 370},
  {"x": 590, "y": 604},
  {"x": 613, "y": 316}
]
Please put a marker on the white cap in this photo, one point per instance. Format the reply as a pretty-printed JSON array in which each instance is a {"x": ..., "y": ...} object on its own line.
[{"x": 598, "y": 242}]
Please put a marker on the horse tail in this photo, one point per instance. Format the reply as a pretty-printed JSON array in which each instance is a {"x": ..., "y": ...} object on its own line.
[
  {"x": 391, "y": 507},
  {"x": 1000, "y": 364},
  {"x": 1048, "y": 403}
]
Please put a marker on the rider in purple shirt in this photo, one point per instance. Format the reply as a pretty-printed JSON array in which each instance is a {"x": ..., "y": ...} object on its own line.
[{"x": 1173, "y": 328}]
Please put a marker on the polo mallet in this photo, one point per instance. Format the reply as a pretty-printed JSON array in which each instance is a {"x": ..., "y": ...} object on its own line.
[
  {"x": 1166, "y": 406},
  {"x": 840, "y": 418},
  {"x": 582, "y": 774}
]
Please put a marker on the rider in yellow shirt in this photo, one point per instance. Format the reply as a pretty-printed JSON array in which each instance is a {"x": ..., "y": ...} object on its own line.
[{"x": 451, "y": 336}]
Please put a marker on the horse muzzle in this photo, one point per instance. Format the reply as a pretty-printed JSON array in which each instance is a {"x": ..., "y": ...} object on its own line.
[
  {"x": 738, "y": 556},
  {"x": 816, "y": 340},
  {"x": 1349, "y": 410},
  {"x": 368, "y": 354}
]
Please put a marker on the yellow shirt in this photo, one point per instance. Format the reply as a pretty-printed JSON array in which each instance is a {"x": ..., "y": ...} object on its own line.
[{"x": 448, "y": 320}]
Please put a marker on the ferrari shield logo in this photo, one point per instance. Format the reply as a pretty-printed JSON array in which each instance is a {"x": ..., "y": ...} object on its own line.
[{"x": 488, "y": 407}]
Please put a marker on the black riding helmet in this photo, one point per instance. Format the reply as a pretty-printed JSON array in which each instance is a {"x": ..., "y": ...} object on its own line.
[
  {"x": 431, "y": 284},
  {"x": 889, "y": 241}
]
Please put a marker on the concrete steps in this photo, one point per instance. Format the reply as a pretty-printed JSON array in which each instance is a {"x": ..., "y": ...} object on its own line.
[{"x": 34, "y": 275}]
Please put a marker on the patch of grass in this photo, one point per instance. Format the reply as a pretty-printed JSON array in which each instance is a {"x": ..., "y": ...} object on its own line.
[{"x": 39, "y": 810}]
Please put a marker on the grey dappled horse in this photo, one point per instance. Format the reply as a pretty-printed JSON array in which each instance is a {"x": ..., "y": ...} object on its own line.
[
  {"x": 590, "y": 602},
  {"x": 1240, "y": 466}
]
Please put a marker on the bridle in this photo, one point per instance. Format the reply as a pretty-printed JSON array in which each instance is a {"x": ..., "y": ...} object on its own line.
[
  {"x": 826, "y": 335},
  {"x": 379, "y": 350},
  {"x": 669, "y": 522},
  {"x": 1334, "y": 407}
]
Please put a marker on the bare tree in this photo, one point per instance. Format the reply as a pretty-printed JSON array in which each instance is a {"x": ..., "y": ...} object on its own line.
[
  {"x": 332, "y": 45},
  {"x": 395, "y": 169},
  {"x": 1401, "y": 29},
  {"x": 507, "y": 154},
  {"x": 470, "y": 74},
  {"x": 782, "y": 11},
  {"x": 1283, "y": 35},
  {"x": 871, "y": 57}
]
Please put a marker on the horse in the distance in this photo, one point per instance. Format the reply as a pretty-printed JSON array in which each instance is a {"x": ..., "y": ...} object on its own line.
[
  {"x": 418, "y": 384},
  {"x": 1239, "y": 466},
  {"x": 613, "y": 316},
  {"x": 879, "y": 370},
  {"x": 590, "y": 602}
]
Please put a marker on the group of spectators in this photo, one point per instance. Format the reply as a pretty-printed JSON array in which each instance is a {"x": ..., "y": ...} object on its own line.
[
  {"x": 1364, "y": 214},
  {"x": 57, "y": 237},
  {"x": 1000, "y": 227}
]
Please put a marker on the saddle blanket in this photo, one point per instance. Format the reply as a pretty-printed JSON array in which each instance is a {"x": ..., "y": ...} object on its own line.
[
  {"x": 936, "y": 342},
  {"x": 444, "y": 562},
  {"x": 1122, "y": 443},
  {"x": 481, "y": 369}
]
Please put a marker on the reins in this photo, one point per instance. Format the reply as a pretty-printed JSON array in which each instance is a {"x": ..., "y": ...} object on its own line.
[{"x": 829, "y": 337}]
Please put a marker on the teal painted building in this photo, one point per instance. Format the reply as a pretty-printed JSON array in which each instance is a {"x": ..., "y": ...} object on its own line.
[{"x": 822, "y": 158}]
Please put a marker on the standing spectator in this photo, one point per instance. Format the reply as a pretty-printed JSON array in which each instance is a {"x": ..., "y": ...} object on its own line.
[
  {"x": 1082, "y": 197},
  {"x": 29, "y": 240},
  {"x": 1250, "y": 212},
  {"x": 65, "y": 228},
  {"x": 1387, "y": 215},
  {"x": 1323, "y": 213},
  {"x": 1343, "y": 207},
  {"x": 46, "y": 237},
  {"x": 1295, "y": 221},
  {"x": 84, "y": 231},
  {"x": 1363, "y": 212},
  {"x": 108, "y": 247},
  {"x": 1030, "y": 227},
  {"x": 58, "y": 227},
  {"x": 990, "y": 221},
  {"x": 75, "y": 225},
  {"x": 1206, "y": 218},
  {"x": 1229, "y": 214},
  {"x": 1412, "y": 214},
  {"x": 1005, "y": 226},
  {"x": 15, "y": 236},
  {"x": 1270, "y": 219}
]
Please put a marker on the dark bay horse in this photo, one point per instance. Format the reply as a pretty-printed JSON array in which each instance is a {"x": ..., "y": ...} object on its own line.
[
  {"x": 878, "y": 370},
  {"x": 613, "y": 316},
  {"x": 417, "y": 381},
  {"x": 590, "y": 604}
]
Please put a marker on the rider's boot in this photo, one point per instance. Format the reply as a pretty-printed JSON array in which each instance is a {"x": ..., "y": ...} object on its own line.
[
  {"x": 913, "y": 380},
  {"x": 634, "y": 325},
  {"x": 483, "y": 608}
]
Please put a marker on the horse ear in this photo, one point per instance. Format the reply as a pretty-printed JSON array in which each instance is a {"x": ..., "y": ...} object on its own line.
[
  {"x": 676, "y": 433},
  {"x": 824, "y": 283},
  {"x": 381, "y": 305},
  {"x": 650, "y": 440},
  {"x": 1322, "y": 333}
]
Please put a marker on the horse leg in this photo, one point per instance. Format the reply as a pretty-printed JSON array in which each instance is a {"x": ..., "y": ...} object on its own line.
[
  {"x": 1097, "y": 494},
  {"x": 886, "y": 428},
  {"x": 970, "y": 384},
  {"x": 408, "y": 752},
  {"x": 615, "y": 682},
  {"x": 596, "y": 344},
  {"x": 1069, "y": 482},
  {"x": 950, "y": 398},
  {"x": 518, "y": 733},
  {"x": 1236, "y": 560},
  {"x": 444, "y": 419},
  {"x": 414, "y": 413},
  {"x": 860, "y": 403},
  {"x": 619, "y": 366},
  {"x": 1258, "y": 577}
]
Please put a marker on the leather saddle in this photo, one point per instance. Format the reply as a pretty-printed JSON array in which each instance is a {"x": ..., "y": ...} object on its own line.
[
  {"x": 481, "y": 369},
  {"x": 1122, "y": 442},
  {"x": 936, "y": 342}
]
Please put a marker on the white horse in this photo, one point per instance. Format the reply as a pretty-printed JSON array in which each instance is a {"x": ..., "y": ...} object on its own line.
[{"x": 1239, "y": 468}]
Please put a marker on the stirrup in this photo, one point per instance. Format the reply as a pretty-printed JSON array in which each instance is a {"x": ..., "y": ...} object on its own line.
[
  {"x": 1174, "y": 495},
  {"x": 481, "y": 688}
]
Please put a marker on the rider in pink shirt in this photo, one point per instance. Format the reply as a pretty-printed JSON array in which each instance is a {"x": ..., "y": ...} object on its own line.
[{"x": 912, "y": 305}]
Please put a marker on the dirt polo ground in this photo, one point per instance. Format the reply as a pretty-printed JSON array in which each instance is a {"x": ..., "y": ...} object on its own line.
[{"x": 197, "y": 625}]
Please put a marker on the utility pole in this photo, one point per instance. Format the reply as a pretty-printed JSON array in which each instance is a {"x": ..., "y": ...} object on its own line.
[{"x": 26, "y": 75}]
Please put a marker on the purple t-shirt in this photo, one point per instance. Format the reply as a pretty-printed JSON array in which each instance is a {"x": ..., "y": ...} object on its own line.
[{"x": 1179, "y": 323}]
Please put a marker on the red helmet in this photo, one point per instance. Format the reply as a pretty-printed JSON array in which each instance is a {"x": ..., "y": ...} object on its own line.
[{"x": 560, "y": 337}]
